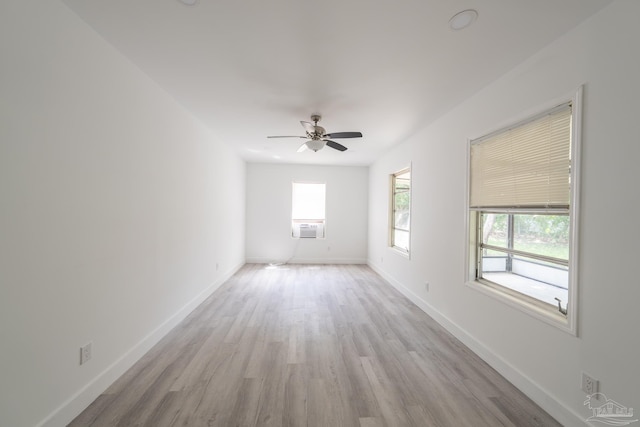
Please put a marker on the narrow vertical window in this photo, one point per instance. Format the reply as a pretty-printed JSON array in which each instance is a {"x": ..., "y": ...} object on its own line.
[
  {"x": 400, "y": 227},
  {"x": 308, "y": 210}
]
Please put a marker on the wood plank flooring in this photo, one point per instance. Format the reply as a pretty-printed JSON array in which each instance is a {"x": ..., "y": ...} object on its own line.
[{"x": 310, "y": 345}]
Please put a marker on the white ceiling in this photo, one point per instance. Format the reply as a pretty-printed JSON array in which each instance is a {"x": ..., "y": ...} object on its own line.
[{"x": 252, "y": 68}]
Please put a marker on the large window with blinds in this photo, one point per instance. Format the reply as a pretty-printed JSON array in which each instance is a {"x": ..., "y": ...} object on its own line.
[
  {"x": 400, "y": 218},
  {"x": 522, "y": 216}
]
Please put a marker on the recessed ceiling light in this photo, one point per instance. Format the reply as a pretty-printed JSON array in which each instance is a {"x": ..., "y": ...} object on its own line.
[
  {"x": 188, "y": 2},
  {"x": 463, "y": 19}
]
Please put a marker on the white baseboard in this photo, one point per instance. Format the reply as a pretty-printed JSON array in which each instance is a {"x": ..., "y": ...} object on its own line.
[
  {"x": 540, "y": 396},
  {"x": 259, "y": 260},
  {"x": 77, "y": 403}
]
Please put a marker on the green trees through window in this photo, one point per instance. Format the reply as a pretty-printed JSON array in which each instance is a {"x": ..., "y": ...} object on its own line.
[{"x": 401, "y": 210}]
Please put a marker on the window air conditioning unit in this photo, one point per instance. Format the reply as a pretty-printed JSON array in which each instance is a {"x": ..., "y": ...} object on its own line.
[{"x": 308, "y": 231}]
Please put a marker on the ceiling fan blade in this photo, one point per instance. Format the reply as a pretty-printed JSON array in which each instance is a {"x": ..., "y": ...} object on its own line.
[
  {"x": 335, "y": 145},
  {"x": 287, "y": 136},
  {"x": 344, "y": 135},
  {"x": 302, "y": 148},
  {"x": 308, "y": 126}
]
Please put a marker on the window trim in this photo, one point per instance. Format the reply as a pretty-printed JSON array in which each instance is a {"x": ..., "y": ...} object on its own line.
[
  {"x": 406, "y": 252},
  {"x": 521, "y": 302}
]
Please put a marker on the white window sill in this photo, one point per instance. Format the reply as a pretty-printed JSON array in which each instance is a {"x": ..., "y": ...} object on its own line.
[
  {"x": 538, "y": 310},
  {"x": 402, "y": 252}
]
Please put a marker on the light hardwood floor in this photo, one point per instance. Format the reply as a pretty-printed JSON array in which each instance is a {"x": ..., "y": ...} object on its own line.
[{"x": 310, "y": 345}]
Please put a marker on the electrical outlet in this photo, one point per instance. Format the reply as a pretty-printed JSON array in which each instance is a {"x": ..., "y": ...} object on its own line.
[
  {"x": 589, "y": 384},
  {"x": 426, "y": 286},
  {"x": 85, "y": 353}
]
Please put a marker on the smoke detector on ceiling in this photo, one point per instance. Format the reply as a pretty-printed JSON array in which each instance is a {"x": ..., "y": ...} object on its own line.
[{"x": 188, "y": 2}]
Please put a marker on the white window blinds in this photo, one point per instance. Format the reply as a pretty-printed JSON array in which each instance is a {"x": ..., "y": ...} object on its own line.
[
  {"x": 308, "y": 201},
  {"x": 527, "y": 165}
]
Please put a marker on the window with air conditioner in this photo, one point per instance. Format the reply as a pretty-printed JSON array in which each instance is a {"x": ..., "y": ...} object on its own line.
[
  {"x": 522, "y": 202},
  {"x": 308, "y": 210}
]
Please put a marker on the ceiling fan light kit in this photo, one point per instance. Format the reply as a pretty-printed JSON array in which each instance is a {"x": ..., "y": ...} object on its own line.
[
  {"x": 318, "y": 137},
  {"x": 315, "y": 145}
]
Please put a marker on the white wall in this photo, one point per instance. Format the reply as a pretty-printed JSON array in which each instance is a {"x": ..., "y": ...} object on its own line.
[
  {"x": 269, "y": 214},
  {"x": 115, "y": 217},
  {"x": 543, "y": 361}
]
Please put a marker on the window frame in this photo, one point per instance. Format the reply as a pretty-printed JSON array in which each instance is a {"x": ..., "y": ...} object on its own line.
[
  {"x": 392, "y": 210},
  {"x": 527, "y": 304}
]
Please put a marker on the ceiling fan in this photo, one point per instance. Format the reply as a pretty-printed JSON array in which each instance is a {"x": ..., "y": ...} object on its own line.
[{"x": 318, "y": 138}]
